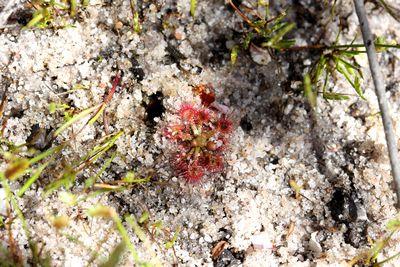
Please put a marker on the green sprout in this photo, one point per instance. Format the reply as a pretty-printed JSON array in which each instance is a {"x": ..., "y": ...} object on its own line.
[
  {"x": 54, "y": 13},
  {"x": 336, "y": 60},
  {"x": 370, "y": 257},
  {"x": 271, "y": 31},
  {"x": 135, "y": 16},
  {"x": 193, "y": 6}
]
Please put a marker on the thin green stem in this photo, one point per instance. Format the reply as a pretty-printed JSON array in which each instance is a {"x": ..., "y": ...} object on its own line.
[
  {"x": 388, "y": 259},
  {"x": 322, "y": 47}
]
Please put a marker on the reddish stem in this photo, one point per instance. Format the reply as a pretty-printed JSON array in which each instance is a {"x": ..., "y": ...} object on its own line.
[{"x": 110, "y": 94}]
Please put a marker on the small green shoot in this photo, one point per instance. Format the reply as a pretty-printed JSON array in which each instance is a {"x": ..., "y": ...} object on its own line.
[
  {"x": 136, "y": 23},
  {"x": 115, "y": 256},
  {"x": 144, "y": 217},
  {"x": 234, "y": 54},
  {"x": 276, "y": 35},
  {"x": 67, "y": 179},
  {"x": 337, "y": 60},
  {"x": 125, "y": 183},
  {"x": 73, "y": 8},
  {"x": 369, "y": 258},
  {"x": 68, "y": 176},
  {"x": 135, "y": 16},
  {"x": 271, "y": 32},
  {"x": 74, "y": 119},
  {"x": 296, "y": 188},
  {"x": 54, "y": 13},
  {"x": 32, "y": 179},
  {"x": 309, "y": 92},
  {"x": 171, "y": 242},
  {"x": 54, "y": 107},
  {"x": 110, "y": 213},
  {"x": 92, "y": 180},
  {"x": 131, "y": 178},
  {"x": 193, "y": 6}
]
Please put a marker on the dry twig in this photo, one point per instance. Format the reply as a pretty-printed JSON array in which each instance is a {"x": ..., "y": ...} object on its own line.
[{"x": 380, "y": 93}]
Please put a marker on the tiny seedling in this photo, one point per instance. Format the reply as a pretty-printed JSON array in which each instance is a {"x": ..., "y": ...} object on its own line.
[
  {"x": 264, "y": 32},
  {"x": 330, "y": 64},
  {"x": 110, "y": 213},
  {"x": 115, "y": 256},
  {"x": 336, "y": 60},
  {"x": 370, "y": 257},
  {"x": 296, "y": 188},
  {"x": 135, "y": 16},
  {"x": 193, "y": 6},
  {"x": 150, "y": 231},
  {"x": 54, "y": 13}
]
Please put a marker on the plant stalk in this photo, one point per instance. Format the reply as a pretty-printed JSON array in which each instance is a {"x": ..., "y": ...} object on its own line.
[
  {"x": 321, "y": 47},
  {"x": 377, "y": 77}
]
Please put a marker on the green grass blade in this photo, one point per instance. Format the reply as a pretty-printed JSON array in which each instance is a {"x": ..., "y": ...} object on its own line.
[
  {"x": 90, "y": 181},
  {"x": 327, "y": 75},
  {"x": 45, "y": 154},
  {"x": 388, "y": 259},
  {"x": 247, "y": 40},
  {"x": 67, "y": 180},
  {"x": 234, "y": 54},
  {"x": 350, "y": 67},
  {"x": 130, "y": 178},
  {"x": 321, "y": 66},
  {"x": 73, "y": 7},
  {"x": 97, "y": 114},
  {"x": 37, "y": 17},
  {"x": 308, "y": 92},
  {"x": 345, "y": 72},
  {"x": 74, "y": 119},
  {"x": 115, "y": 256},
  {"x": 335, "y": 96},
  {"x": 171, "y": 243},
  {"x": 136, "y": 22},
  {"x": 32, "y": 179},
  {"x": 125, "y": 237},
  {"x": 286, "y": 43},
  {"x": 99, "y": 150},
  {"x": 193, "y": 6},
  {"x": 279, "y": 35}
]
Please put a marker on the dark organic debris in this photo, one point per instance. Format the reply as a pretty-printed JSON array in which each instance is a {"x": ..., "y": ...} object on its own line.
[
  {"x": 245, "y": 124},
  {"x": 137, "y": 70},
  {"x": 154, "y": 108}
]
